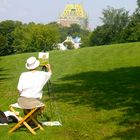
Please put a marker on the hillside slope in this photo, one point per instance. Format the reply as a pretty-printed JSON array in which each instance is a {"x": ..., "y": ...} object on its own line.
[{"x": 97, "y": 90}]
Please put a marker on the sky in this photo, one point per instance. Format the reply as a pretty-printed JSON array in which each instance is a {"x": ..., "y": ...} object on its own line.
[{"x": 46, "y": 11}]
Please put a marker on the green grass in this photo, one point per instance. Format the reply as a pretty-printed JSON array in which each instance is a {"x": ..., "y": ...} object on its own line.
[{"x": 97, "y": 91}]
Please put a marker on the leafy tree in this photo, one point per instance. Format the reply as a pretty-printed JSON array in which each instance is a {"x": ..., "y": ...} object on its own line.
[
  {"x": 136, "y": 15},
  {"x": 85, "y": 39},
  {"x": 22, "y": 38},
  {"x": 132, "y": 32},
  {"x": 117, "y": 19},
  {"x": 35, "y": 37},
  {"x": 74, "y": 30},
  {"x": 6, "y": 29},
  {"x": 50, "y": 36},
  {"x": 3, "y": 45},
  {"x": 69, "y": 45},
  {"x": 138, "y": 3},
  {"x": 101, "y": 36},
  {"x": 114, "y": 21}
]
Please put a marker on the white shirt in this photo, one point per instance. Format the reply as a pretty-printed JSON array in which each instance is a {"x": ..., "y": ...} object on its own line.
[{"x": 31, "y": 83}]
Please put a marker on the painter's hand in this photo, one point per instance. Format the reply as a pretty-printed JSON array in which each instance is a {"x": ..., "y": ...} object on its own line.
[{"x": 48, "y": 66}]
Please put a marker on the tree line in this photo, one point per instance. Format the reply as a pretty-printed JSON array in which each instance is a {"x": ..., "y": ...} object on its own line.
[
  {"x": 16, "y": 37},
  {"x": 118, "y": 27}
]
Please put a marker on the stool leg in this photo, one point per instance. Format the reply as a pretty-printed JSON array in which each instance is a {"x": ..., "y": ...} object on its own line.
[
  {"x": 24, "y": 121},
  {"x": 18, "y": 125},
  {"x": 30, "y": 129},
  {"x": 36, "y": 122}
]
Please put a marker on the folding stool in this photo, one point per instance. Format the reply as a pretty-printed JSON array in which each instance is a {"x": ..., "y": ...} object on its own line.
[{"x": 24, "y": 120}]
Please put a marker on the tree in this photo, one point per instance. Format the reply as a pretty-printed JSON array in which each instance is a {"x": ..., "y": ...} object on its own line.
[
  {"x": 6, "y": 29},
  {"x": 69, "y": 45},
  {"x": 101, "y": 36},
  {"x": 117, "y": 19},
  {"x": 114, "y": 21},
  {"x": 35, "y": 37},
  {"x": 85, "y": 39},
  {"x": 138, "y": 3},
  {"x": 22, "y": 37},
  {"x": 3, "y": 45},
  {"x": 74, "y": 30},
  {"x": 132, "y": 32}
]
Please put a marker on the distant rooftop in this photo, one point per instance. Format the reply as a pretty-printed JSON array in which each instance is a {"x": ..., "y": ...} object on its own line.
[{"x": 73, "y": 14}]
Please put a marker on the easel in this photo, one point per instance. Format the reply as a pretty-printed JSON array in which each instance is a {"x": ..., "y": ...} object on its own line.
[
  {"x": 48, "y": 82},
  {"x": 53, "y": 106}
]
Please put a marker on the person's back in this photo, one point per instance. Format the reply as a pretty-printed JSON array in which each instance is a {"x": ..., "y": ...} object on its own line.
[{"x": 31, "y": 83}]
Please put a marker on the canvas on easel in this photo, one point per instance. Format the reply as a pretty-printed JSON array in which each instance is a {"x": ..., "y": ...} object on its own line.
[{"x": 43, "y": 58}]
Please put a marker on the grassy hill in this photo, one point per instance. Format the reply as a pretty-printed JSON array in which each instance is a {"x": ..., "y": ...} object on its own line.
[{"x": 97, "y": 91}]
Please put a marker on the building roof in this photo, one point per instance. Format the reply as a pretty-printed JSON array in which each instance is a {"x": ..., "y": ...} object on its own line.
[
  {"x": 73, "y": 14},
  {"x": 74, "y": 10}
]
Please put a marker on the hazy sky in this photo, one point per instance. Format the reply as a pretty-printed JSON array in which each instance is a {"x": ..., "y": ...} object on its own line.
[{"x": 45, "y": 11}]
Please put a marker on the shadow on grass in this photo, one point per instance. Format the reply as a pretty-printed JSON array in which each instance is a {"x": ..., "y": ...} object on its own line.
[
  {"x": 129, "y": 134},
  {"x": 3, "y": 76},
  {"x": 116, "y": 89}
]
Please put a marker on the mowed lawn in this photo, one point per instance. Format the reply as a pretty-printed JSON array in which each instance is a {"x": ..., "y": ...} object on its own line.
[{"x": 96, "y": 89}]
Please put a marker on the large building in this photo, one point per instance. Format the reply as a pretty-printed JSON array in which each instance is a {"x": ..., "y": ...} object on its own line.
[{"x": 74, "y": 14}]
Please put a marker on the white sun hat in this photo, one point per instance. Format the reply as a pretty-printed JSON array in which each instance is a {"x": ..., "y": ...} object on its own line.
[{"x": 32, "y": 63}]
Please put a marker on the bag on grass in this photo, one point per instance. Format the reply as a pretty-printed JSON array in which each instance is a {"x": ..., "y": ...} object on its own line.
[
  {"x": 3, "y": 118},
  {"x": 7, "y": 117},
  {"x": 11, "y": 117}
]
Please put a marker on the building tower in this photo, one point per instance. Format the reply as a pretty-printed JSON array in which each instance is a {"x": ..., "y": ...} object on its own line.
[{"x": 74, "y": 14}]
